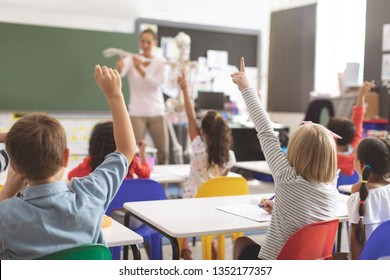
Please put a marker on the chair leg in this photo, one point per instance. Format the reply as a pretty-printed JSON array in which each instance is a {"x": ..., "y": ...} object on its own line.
[
  {"x": 156, "y": 247},
  {"x": 116, "y": 253},
  {"x": 221, "y": 247},
  {"x": 236, "y": 235},
  {"x": 206, "y": 246}
]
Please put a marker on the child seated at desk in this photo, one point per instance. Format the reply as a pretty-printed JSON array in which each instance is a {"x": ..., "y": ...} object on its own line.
[
  {"x": 101, "y": 144},
  {"x": 211, "y": 155},
  {"x": 369, "y": 203},
  {"x": 51, "y": 215},
  {"x": 350, "y": 132},
  {"x": 302, "y": 178}
]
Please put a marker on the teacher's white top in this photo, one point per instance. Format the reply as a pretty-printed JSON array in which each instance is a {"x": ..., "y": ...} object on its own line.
[{"x": 146, "y": 98}]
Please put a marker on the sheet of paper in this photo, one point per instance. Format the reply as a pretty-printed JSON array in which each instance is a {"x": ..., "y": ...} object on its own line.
[{"x": 249, "y": 211}]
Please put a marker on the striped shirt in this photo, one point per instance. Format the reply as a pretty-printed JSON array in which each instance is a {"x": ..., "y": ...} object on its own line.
[{"x": 298, "y": 202}]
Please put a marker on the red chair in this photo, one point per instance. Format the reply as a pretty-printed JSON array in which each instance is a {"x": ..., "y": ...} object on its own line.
[{"x": 311, "y": 242}]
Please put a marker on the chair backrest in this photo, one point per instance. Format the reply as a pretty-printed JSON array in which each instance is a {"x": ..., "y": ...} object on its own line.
[
  {"x": 223, "y": 186},
  {"x": 319, "y": 111},
  {"x": 136, "y": 190},
  {"x": 311, "y": 242},
  {"x": 378, "y": 245},
  {"x": 348, "y": 180},
  {"x": 83, "y": 252}
]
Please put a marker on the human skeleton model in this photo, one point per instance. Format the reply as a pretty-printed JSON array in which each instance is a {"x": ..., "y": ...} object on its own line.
[{"x": 175, "y": 105}]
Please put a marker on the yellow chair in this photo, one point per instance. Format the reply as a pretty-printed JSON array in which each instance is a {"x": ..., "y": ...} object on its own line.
[{"x": 220, "y": 186}]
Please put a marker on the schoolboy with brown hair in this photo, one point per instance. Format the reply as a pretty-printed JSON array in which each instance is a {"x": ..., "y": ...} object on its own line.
[{"x": 52, "y": 215}]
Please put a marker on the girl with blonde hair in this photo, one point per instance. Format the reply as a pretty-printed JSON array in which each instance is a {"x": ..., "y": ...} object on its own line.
[{"x": 304, "y": 192}]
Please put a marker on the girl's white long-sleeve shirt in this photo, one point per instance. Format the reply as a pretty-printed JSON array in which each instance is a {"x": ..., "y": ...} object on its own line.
[{"x": 297, "y": 202}]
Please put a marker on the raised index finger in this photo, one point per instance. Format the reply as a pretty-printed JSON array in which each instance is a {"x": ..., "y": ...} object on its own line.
[{"x": 242, "y": 64}]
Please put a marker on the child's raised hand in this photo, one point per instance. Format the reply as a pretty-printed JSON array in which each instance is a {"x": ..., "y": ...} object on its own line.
[
  {"x": 182, "y": 79},
  {"x": 108, "y": 80},
  {"x": 366, "y": 87},
  {"x": 240, "y": 78},
  {"x": 142, "y": 146}
]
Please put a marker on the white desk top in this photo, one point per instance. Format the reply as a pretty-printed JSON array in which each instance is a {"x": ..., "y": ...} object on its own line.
[
  {"x": 174, "y": 173},
  {"x": 199, "y": 216},
  {"x": 119, "y": 235},
  {"x": 345, "y": 188},
  {"x": 260, "y": 166}
]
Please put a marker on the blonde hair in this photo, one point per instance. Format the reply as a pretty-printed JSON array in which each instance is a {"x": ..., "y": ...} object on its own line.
[{"x": 312, "y": 152}]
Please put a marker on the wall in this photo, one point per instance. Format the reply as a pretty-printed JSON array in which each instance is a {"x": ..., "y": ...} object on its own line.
[
  {"x": 120, "y": 16},
  {"x": 377, "y": 15},
  {"x": 291, "y": 60}
]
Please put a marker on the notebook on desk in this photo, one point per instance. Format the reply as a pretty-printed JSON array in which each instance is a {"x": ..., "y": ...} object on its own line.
[
  {"x": 250, "y": 210},
  {"x": 253, "y": 212}
]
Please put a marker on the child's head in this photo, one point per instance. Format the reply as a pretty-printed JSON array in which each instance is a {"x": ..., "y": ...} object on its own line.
[
  {"x": 312, "y": 153},
  {"x": 36, "y": 146},
  {"x": 343, "y": 127},
  {"x": 101, "y": 143},
  {"x": 218, "y": 137},
  {"x": 372, "y": 157}
]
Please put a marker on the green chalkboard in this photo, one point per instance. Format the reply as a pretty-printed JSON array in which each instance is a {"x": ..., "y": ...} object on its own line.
[{"x": 51, "y": 69}]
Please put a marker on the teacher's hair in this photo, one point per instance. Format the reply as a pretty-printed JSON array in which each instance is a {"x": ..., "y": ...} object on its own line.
[{"x": 151, "y": 32}]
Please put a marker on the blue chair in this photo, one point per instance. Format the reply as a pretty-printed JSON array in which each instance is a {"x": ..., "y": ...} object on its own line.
[
  {"x": 348, "y": 180},
  {"x": 378, "y": 245},
  {"x": 140, "y": 190}
]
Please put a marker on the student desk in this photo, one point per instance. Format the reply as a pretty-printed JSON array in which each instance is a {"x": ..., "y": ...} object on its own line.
[
  {"x": 182, "y": 218},
  {"x": 175, "y": 173},
  {"x": 118, "y": 235},
  {"x": 260, "y": 168}
]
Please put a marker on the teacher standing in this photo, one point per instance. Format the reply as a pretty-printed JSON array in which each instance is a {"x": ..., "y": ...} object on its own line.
[{"x": 145, "y": 74}]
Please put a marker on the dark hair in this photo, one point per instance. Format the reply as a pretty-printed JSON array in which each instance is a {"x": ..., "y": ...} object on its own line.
[
  {"x": 375, "y": 154},
  {"x": 101, "y": 143},
  {"x": 219, "y": 138},
  {"x": 36, "y": 145},
  {"x": 149, "y": 31},
  {"x": 343, "y": 127}
]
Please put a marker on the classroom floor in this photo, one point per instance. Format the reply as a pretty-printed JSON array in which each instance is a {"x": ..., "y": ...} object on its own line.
[{"x": 255, "y": 187}]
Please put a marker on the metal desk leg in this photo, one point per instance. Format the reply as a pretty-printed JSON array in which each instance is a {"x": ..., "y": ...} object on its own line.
[
  {"x": 136, "y": 252},
  {"x": 126, "y": 248},
  {"x": 339, "y": 231},
  {"x": 173, "y": 240}
]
